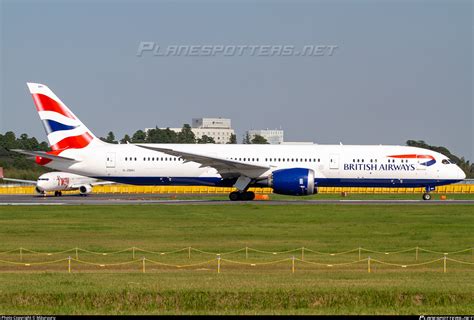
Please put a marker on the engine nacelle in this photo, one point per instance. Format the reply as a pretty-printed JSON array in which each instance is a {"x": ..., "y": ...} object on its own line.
[
  {"x": 293, "y": 182},
  {"x": 39, "y": 191},
  {"x": 85, "y": 189}
]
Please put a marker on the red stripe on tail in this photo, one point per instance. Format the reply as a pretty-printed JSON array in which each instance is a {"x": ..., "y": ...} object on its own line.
[
  {"x": 75, "y": 142},
  {"x": 45, "y": 103}
]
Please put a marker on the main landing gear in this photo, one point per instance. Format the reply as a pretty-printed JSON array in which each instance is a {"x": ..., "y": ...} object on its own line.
[
  {"x": 242, "y": 196},
  {"x": 58, "y": 193}
]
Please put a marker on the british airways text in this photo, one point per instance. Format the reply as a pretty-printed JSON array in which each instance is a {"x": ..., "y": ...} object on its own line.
[{"x": 378, "y": 167}]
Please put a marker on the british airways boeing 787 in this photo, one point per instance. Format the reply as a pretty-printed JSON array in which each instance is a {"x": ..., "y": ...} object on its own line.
[{"x": 289, "y": 169}]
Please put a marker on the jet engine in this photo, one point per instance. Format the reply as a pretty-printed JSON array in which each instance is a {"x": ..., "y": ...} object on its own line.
[
  {"x": 85, "y": 189},
  {"x": 293, "y": 181}
]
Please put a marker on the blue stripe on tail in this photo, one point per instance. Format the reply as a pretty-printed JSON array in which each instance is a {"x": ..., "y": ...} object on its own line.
[{"x": 53, "y": 126}]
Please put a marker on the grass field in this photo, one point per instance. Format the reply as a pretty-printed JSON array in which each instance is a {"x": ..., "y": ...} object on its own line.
[
  {"x": 239, "y": 289},
  {"x": 332, "y": 196}
]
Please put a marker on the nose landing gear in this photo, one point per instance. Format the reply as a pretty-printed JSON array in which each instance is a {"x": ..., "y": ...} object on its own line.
[
  {"x": 427, "y": 194},
  {"x": 242, "y": 196}
]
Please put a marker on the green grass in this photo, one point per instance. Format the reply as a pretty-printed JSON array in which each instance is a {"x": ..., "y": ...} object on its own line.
[
  {"x": 331, "y": 196},
  {"x": 270, "y": 289}
]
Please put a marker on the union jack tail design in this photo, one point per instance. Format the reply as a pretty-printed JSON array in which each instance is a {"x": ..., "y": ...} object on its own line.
[{"x": 63, "y": 128}]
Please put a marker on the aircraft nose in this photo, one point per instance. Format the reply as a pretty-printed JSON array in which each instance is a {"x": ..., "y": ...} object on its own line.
[
  {"x": 39, "y": 186},
  {"x": 461, "y": 173}
]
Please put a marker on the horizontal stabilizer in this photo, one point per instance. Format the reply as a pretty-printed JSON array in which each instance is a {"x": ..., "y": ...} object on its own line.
[{"x": 43, "y": 154}]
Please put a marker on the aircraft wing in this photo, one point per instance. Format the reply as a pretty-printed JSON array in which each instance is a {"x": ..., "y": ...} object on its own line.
[
  {"x": 19, "y": 180},
  {"x": 15, "y": 180},
  {"x": 226, "y": 168},
  {"x": 102, "y": 183},
  {"x": 97, "y": 183},
  {"x": 43, "y": 154}
]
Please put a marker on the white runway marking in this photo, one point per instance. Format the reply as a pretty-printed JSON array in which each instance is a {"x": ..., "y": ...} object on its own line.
[{"x": 31, "y": 204}]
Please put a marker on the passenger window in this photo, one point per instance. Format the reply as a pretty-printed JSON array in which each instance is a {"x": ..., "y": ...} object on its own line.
[{"x": 445, "y": 161}]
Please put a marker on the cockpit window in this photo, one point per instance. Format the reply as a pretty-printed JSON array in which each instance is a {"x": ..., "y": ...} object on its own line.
[
  {"x": 43, "y": 179},
  {"x": 448, "y": 161}
]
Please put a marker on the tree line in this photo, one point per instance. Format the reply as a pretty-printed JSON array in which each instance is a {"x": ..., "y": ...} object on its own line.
[
  {"x": 20, "y": 167},
  {"x": 186, "y": 135},
  {"x": 17, "y": 165}
]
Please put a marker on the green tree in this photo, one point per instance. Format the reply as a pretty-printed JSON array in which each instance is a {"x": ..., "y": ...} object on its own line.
[
  {"x": 17, "y": 165},
  {"x": 186, "y": 135},
  {"x": 206, "y": 139},
  {"x": 258, "y": 139},
  {"x": 9, "y": 140},
  {"x": 110, "y": 137},
  {"x": 161, "y": 136},
  {"x": 125, "y": 139},
  {"x": 139, "y": 136},
  {"x": 233, "y": 139},
  {"x": 246, "y": 139}
]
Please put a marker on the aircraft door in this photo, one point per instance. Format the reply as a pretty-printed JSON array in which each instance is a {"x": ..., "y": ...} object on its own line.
[
  {"x": 333, "y": 161},
  {"x": 110, "y": 160}
]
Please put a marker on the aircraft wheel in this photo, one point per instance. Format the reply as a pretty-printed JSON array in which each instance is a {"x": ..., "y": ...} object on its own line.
[
  {"x": 242, "y": 196},
  {"x": 426, "y": 196},
  {"x": 60, "y": 193},
  {"x": 234, "y": 196},
  {"x": 249, "y": 196},
  {"x": 56, "y": 193}
]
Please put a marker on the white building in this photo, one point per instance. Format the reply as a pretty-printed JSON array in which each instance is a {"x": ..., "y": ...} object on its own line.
[
  {"x": 217, "y": 128},
  {"x": 272, "y": 136}
]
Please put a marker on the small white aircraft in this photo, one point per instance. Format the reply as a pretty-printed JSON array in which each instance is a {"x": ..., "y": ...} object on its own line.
[
  {"x": 289, "y": 169},
  {"x": 58, "y": 182}
]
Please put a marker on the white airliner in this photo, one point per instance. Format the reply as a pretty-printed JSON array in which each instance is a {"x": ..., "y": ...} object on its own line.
[
  {"x": 288, "y": 169},
  {"x": 58, "y": 182}
]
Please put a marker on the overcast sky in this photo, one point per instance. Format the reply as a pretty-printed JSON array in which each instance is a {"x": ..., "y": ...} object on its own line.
[{"x": 401, "y": 70}]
